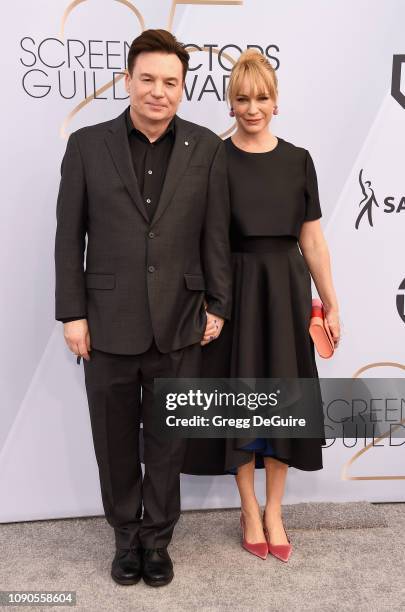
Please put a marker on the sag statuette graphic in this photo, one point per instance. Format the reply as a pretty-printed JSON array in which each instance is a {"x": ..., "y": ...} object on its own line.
[
  {"x": 368, "y": 201},
  {"x": 369, "y": 204}
]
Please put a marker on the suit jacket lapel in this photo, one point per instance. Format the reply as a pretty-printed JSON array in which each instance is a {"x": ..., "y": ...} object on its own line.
[
  {"x": 118, "y": 145},
  {"x": 181, "y": 154}
]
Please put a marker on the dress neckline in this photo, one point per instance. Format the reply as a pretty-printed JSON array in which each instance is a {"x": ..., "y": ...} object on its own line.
[{"x": 279, "y": 140}]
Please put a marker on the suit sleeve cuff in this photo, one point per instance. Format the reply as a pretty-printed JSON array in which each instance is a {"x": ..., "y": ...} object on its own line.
[
  {"x": 218, "y": 310},
  {"x": 68, "y": 319}
]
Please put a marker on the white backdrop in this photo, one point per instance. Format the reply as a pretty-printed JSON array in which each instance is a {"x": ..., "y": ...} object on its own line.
[{"x": 334, "y": 62}]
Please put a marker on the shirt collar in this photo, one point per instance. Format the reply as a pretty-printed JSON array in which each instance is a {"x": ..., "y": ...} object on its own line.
[{"x": 131, "y": 128}]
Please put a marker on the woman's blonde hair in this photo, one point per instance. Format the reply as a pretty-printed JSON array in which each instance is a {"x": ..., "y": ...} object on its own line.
[{"x": 258, "y": 70}]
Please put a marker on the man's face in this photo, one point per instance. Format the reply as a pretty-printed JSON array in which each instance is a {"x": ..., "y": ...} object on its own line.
[{"x": 155, "y": 87}]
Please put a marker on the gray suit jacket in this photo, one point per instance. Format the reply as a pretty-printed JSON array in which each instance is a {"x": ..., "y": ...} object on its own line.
[{"x": 142, "y": 278}]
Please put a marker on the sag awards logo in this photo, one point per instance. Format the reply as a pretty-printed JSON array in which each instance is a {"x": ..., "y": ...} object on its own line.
[
  {"x": 86, "y": 70},
  {"x": 369, "y": 203}
]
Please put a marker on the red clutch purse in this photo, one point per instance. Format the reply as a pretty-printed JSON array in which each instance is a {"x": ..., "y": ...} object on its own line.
[{"x": 320, "y": 332}]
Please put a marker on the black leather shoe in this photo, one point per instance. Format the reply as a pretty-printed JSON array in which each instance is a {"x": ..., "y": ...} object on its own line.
[
  {"x": 157, "y": 567},
  {"x": 126, "y": 567}
]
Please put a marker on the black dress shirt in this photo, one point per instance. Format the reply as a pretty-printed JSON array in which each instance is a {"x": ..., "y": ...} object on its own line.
[{"x": 150, "y": 161}]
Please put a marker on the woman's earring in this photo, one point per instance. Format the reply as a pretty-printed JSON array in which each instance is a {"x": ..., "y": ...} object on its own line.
[
  {"x": 275, "y": 110},
  {"x": 232, "y": 113}
]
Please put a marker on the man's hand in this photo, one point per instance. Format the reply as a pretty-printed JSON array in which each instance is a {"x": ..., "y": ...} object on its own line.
[
  {"x": 76, "y": 334},
  {"x": 212, "y": 329}
]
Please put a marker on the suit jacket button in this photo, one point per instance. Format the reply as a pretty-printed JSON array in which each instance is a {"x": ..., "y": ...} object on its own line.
[
  {"x": 151, "y": 234},
  {"x": 151, "y": 268}
]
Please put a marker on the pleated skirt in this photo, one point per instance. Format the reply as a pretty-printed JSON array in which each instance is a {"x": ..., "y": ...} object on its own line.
[{"x": 267, "y": 337}]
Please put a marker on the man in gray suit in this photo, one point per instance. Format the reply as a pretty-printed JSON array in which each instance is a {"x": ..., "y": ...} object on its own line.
[{"x": 150, "y": 191}]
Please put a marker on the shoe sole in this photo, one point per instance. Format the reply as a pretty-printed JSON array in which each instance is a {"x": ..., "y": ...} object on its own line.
[
  {"x": 125, "y": 581},
  {"x": 158, "y": 583}
]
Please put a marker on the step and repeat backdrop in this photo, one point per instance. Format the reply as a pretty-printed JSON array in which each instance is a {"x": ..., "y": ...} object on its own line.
[{"x": 339, "y": 65}]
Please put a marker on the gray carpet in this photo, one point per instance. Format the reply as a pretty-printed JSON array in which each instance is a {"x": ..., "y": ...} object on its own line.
[{"x": 345, "y": 557}]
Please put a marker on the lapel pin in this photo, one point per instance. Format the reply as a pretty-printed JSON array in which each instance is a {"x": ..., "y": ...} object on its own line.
[{"x": 186, "y": 143}]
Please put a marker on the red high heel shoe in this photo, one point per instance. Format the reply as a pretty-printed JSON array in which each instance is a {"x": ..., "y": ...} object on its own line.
[
  {"x": 280, "y": 551},
  {"x": 260, "y": 549}
]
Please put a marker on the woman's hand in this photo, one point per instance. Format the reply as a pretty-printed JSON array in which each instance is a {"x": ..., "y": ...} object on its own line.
[
  {"x": 316, "y": 254},
  {"x": 332, "y": 319},
  {"x": 212, "y": 329}
]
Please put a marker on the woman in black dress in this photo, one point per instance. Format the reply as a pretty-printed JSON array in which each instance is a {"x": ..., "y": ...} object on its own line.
[{"x": 274, "y": 208}]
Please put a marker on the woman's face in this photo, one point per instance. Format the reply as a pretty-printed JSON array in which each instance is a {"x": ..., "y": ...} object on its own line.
[{"x": 253, "y": 110}]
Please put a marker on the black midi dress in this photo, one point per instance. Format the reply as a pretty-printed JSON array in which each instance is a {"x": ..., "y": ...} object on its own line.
[{"x": 272, "y": 195}]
